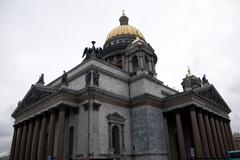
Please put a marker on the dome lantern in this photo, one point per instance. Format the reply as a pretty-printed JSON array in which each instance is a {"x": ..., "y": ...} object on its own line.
[{"x": 123, "y": 19}]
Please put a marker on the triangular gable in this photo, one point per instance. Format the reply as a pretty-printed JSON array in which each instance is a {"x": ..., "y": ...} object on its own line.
[
  {"x": 35, "y": 94},
  {"x": 212, "y": 94}
]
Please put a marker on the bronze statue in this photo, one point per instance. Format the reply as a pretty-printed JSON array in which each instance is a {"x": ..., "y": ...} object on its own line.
[
  {"x": 41, "y": 80},
  {"x": 92, "y": 52},
  {"x": 64, "y": 78},
  {"x": 96, "y": 78},
  {"x": 88, "y": 78}
]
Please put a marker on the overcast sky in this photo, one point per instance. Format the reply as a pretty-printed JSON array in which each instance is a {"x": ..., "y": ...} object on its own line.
[{"x": 50, "y": 36}]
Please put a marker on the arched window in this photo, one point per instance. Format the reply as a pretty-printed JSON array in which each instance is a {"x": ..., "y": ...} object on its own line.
[
  {"x": 134, "y": 64},
  {"x": 70, "y": 145},
  {"x": 116, "y": 140}
]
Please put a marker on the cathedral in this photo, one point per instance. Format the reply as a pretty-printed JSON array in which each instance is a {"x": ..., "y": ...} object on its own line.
[{"x": 112, "y": 107}]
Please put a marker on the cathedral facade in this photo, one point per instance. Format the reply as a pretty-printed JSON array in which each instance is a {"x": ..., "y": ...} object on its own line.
[{"x": 112, "y": 106}]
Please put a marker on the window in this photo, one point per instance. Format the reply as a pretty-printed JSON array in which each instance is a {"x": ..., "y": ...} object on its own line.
[
  {"x": 115, "y": 140},
  {"x": 116, "y": 133}
]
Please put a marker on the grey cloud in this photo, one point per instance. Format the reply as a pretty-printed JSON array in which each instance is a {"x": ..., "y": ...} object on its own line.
[
  {"x": 235, "y": 88},
  {"x": 49, "y": 37}
]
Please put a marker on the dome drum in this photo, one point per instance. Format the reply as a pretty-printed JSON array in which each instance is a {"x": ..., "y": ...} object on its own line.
[{"x": 117, "y": 44}]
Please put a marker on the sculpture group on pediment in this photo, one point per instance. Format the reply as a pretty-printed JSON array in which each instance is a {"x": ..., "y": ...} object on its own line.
[{"x": 212, "y": 95}]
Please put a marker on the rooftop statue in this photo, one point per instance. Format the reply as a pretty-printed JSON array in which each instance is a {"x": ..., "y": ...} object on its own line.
[{"x": 92, "y": 52}]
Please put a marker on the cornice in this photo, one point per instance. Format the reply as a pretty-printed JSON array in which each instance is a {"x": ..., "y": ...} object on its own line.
[
  {"x": 146, "y": 76},
  {"x": 146, "y": 99}
]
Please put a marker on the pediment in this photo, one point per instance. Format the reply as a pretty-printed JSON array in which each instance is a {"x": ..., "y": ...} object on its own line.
[
  {"x": 213, "y": 95},
  {"x": 34, "y": 95},
  {"x": 115, "y": 117}
]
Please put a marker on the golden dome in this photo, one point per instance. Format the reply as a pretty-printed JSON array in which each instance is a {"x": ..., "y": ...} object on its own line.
[{"x": 124, "y": 29}]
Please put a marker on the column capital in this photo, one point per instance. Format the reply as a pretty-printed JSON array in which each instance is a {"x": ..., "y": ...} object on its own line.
[
  {"x": 205, "y": 113},
  {"x": 52, "y": 110},
  {"x": 228, "y": 120},
  {"x": 200, "y": 110},
  {"x": 192, "y": 107},
  {"x": 96, "y": 106},
  {"x": 217, "y": 117},
  {"x": 61, "y": 107},
  {"x": 20, "y": 124},
  {"x": 45, "y": 113},
  {"x": 31, "y": 119},
  {"x": 15, "y": 125},
  {"x": 86, "y": 106},
  {"x": 220, "y": 118},
  {"x": 38, "y": 116},
  {"x": 177, "y": 111},
  {"x": 212, "y": 115},
  {"x": 25, "y": 122}
]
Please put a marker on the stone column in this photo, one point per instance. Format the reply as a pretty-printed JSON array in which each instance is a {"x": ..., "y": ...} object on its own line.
[
  {"x": 61, "y": 123},
  {"x": 169, "y": 154},
  {"x": 35, "y": 139},
  {"x": 224, "y": 136},
  {"x": 123, "y": 62},
  {"x": 196, "y": 134},
  {"x": 29, "y": 140},
  {"x": 51, "y": 134},
  {"x": 150, "y": 65},
  {"x": 209, "y": 136},
  {"x": 110, "y": 135},
  {"x": 181, "y": 139},
  {"x": 13, "y": 142},
  {"x": 153, "y": 66},
  {"x": 141, "y": 65},
  {"x": 219, "y": 135},
  {"x": 23, "y": 141},
  {"x": 127, "y": 64},
  {"x": 228, "y": 135},
  {"x": 42, "y": 138},
  {"x": 203, "y": 134},
  {"x": 215, "y": 139},
  {"x": 231, "y": 135},
  {"x": 18, "y": 142}
]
